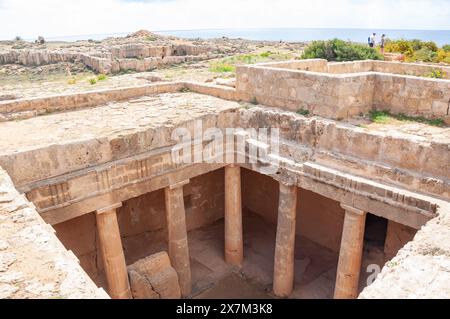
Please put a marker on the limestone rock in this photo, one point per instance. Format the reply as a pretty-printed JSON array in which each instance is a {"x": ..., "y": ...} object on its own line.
[
  {"x": 154, "y": 278},
  {"x": 6, "y": 291},
  {"x": 11, "y": 277},
  {"x": 226, "y": 82},
  {"x": 6, "y": 260},
  {"x": 3, "y": 245}
]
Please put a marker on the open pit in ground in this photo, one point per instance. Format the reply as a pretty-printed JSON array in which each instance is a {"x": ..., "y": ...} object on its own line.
[{"x": 342, "y": 199}]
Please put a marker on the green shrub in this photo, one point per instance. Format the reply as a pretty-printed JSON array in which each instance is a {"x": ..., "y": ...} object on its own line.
[
  {"x": 247, "y": 58},
  {"x": 222, "y": 67},
  {"x": 425, "y": 55},
  {"x": 150, "y": 38},
  {"x": 338, "y": 50},
  {"x": 102, "y": 77},
  {"x": 266, "y": 54},
  {"x": 443, "y": 56},
  {"x": 435, "y": 74},
  {"x": 400, "y": 46},
  {"x": 93, "y": 81},
  {"x": 418, "y": 50},
  {"x": 303, "y": 112},
  {"x": 419, "y": 44}
]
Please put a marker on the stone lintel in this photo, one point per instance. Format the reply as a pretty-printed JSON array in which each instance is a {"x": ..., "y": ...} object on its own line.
[
  {"x": 353, "y": 210},
  {"x": 179, "y": 185},
  {"x": 108, "y": 209}
]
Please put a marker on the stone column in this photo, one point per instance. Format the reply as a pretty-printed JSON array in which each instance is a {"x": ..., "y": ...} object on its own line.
[
  {"x": 177, "y": 239},
  {"x": 112, "y": 252},
  {"x": 283, "y": 281},
  {"x": 350, "y": 257},
  {"x": 234, "y": 247}
]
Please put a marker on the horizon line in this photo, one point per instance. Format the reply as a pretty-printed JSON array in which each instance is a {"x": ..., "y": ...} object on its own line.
[{"x": 236, "y": 28}]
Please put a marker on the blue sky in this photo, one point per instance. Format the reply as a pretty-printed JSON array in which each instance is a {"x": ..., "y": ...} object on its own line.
[{"x": 30, "y": 18}]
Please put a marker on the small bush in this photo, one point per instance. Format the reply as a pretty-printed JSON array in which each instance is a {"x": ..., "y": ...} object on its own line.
[
  {"x": 443, "y": 56},
  {"x": 419, "y": 44},
  {"x": 303, "y": 112},
  {"x": 18, "y": 38},
  {"x": 400, "y": 46},
  {"x": 150, "y": 38},
  {"x": 424, "y": 54},
  {"x": 102, "y": 77},
  {"x": 72, "y": 81},
  {"x": 435, "y": 74},
  {"x": 266, "y": 54},
  {"x": 222, "y": 67},
  {"x": 338, "y": 50},
  {"x": 247, "y": 58},
  {"x": 417, "y": 50},
  {"x": 92, "y": 81}
]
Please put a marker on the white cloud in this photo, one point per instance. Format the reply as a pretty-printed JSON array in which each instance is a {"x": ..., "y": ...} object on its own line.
[{"x": 30, "y": 18}]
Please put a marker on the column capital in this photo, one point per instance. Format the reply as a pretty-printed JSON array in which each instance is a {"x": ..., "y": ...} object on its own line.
[
  {"x": 287, "y": 186},
  {"x": 108, "y": 209},
  {"x": 233, "y": 166},
  {"x": 179, "y": 184},
  {"x": 353, "y": 210}
]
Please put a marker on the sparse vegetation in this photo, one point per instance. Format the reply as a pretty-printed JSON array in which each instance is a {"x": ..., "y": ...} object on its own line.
[
  {"x": 417, "y": 50},
  {"x": 385, "y": 117},
  {"x": 392, "y": 264},
  {"x": 184, "y": 90},
  {"x": 102, "y": 77},
  {"x": 303, "y": 112},
  {"x": 150, "y": 38},
  {"x": 222, "y": 67},
  {"x": 254, "y": 101},
  {"x": 339, "y": 50},
  {"x": 18, "y": 38},
  {"x": 228, "y": 65},
  {"x": 72, "y": 81},
  {"x": 435, "y": 74},
  {"x": 92, "y": 81},
  {"x": 247, "y": 106}
]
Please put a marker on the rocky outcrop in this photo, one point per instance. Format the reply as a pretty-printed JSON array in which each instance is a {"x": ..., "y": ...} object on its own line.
[{"x": 112, "y": 59}]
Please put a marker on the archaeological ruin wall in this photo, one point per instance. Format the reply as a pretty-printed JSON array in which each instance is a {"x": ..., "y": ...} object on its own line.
[
  {"x": 330, "y": 176},
  {"x": 343, "y": 90}
]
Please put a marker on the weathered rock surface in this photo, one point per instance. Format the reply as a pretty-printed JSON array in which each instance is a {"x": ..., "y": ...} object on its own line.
[
  {"x": 154, "y": 278},
  {"x": 421, "y": 269},
  {"x": 33, "y": 263}
]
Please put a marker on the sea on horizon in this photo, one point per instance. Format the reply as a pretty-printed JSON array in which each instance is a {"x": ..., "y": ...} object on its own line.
[{"x": 440, "y": 37}]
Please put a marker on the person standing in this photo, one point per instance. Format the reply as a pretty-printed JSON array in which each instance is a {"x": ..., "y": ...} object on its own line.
[
  {"x": 372, "y": 40},
  {"x": 383, "y": 43}
]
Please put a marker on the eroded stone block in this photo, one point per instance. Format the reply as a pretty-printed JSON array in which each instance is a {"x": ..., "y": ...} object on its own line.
[{"x": 154, "y": 278}]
